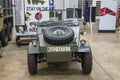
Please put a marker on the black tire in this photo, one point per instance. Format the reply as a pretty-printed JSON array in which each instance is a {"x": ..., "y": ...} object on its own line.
[
  {"x": 58, "y": 40},
  {"x": 18, "y": 41},
  {"x": 9, "y": 31},
  {"x": 0, "y": 54},
  {"x": 32, "y": 64},
  {"x": 0, "y": 50},
  {"x": 4, "y": 36},
  {"x": 86, "y": 63}
]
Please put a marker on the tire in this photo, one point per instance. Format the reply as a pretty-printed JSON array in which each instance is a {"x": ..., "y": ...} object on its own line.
[
  {"x": 0, "y": 54},
  {"x": 32, "y": 64},
  {"x": 9, "y": 31},
  {"x": 0, "y": 50},
  {"x": 55, "y": 39},
  {"x": 18, "y": 41},
  {"x": 4, "y": 36},
  {"x": 86, "y": 63}
]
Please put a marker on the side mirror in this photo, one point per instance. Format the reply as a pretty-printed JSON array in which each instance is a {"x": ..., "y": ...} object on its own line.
[{"x": 84, "y": 23}]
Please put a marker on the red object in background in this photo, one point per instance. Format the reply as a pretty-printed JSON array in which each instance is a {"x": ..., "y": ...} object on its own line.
[
  {"x": 102, "y": 11},
  {"x": 105, "y": 10},
  {"x": 119, "y": 14},
  {"x": 38, "y": 16},
  {"x": 119, "y": 11}
]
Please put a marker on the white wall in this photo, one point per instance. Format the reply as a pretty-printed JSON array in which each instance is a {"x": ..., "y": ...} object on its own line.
[
  {"x": 63, "y": 4},
  {"x": 118, "y": 1},
  {"x": 58, "y": 4},
  {"x": 73, "y": 3},
  {"x": 94, "y": 2},
  {"x": 66, "y": 3}
]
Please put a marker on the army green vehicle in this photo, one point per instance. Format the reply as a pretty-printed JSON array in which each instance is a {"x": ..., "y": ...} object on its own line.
[
  {"x": 6, "y": 21},
  {"x": 59, "y": 41}
]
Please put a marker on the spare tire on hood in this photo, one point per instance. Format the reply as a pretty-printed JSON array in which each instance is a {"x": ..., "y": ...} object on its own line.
[{"x": 58, "y": 35}]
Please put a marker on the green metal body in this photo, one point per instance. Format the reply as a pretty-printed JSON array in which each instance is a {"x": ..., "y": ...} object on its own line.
[
  {"x": 59, "y": 57},
  {"x": 58, "y": 53}
]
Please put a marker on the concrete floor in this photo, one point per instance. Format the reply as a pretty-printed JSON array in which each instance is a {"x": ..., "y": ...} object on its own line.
[{"x": 106, "y": 61}]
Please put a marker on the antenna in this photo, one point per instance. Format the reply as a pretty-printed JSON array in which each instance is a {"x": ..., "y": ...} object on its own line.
[{"x": 38, "y": 25}]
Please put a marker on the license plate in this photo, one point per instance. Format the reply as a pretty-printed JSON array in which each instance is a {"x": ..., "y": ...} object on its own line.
[{"x": 58, "y": 49}]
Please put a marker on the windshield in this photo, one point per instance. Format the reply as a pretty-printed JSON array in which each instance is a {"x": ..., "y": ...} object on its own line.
[{"x": 61, "y": 18}]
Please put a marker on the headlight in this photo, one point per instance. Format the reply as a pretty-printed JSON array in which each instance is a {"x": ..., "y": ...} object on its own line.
[{"x": 83, "y": 42}]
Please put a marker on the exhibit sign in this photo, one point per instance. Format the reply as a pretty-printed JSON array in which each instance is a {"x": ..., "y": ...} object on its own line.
[
  {"x": 108, "y": 14},
  {"x": 27, "y": 15}
]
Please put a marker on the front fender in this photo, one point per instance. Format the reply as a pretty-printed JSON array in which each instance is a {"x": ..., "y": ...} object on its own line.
[
  {"x": 84, "y": 48},
  {"x": 33, "y": 49}
]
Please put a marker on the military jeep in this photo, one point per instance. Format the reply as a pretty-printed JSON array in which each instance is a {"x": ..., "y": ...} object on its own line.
[{"x": 59, "y": 41}]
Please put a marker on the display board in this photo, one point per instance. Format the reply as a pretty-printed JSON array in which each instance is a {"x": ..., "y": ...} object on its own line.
[
  {"x": 28, "y": 13},
  {"x": 108, "y": 14}
]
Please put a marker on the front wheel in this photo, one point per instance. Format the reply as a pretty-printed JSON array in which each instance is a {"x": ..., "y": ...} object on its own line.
[
  {"x": 32, "y": 64},
  {"x": 86, "y": 63}
]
